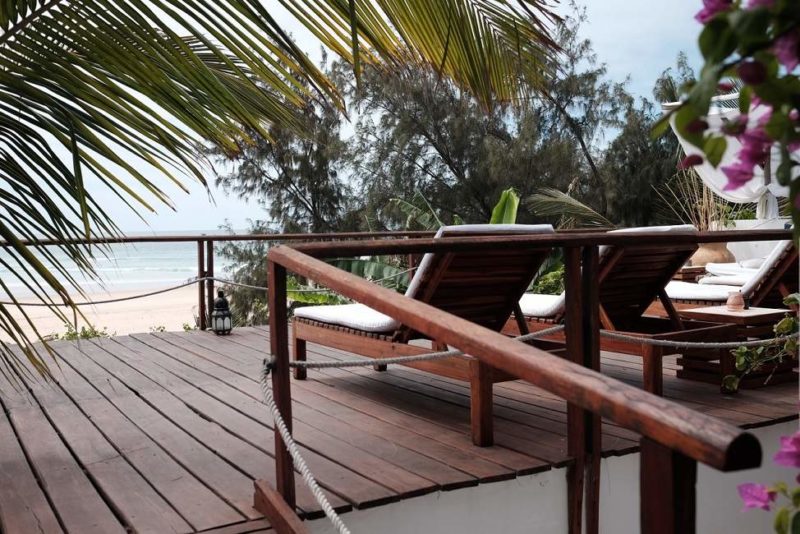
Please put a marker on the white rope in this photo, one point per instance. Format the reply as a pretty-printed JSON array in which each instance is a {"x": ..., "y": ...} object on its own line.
[
  {"x": 409, "y": 359},
  {"x": 696, "y": 344},
  {"x": 299, "y": 462}
]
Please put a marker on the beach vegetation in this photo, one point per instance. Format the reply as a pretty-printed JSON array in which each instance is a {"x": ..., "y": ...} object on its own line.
[{"x": 85, "y": 332}]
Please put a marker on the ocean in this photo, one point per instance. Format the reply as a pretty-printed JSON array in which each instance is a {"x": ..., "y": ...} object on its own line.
[{"x": 125, "y": 267}]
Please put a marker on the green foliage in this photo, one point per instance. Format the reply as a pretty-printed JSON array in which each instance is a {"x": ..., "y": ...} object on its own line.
[
  {"x": 567, "y": 211},
  {"x": 550, "y": 282},
  {"x": 189, "y": 327},
  {"x": 86, "y": 332},
  {"x": 505, "y": 211},
  {"x": 160, "y": 328},
  {"x": 751, "y": 359}
]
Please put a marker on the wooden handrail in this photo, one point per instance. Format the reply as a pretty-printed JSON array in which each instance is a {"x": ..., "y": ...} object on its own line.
[
  {"x": 558, "y": 239},
  {"x": 227, "y": 237},
  {"x": 695, "y": 435}
]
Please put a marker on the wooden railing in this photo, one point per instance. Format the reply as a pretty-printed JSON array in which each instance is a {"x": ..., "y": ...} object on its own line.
[
  {"x": 674, "y": 438},
  {"x": 205, "y": 252}
]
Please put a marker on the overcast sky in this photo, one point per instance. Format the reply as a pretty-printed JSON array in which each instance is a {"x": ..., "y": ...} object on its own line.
[{"x": 635, "y": 38}]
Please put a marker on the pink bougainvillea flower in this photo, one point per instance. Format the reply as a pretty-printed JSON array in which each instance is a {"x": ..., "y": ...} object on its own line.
[
  {"x": 725, "y": 87},
  {"x": 752, "y": 4},
  {"x": 789, "y": 453},
  {"x": 756, "y": 496},
  {"x": 690, "y": 161},
  {"x": 752, "y": 72},
  {"x": 738, "y": 173},
  {"x": 787, "y": 49},
  {"x": 711, "y": 8}
]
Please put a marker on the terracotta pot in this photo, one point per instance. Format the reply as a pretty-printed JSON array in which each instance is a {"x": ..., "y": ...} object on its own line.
[{"x": 711, "y": 253}]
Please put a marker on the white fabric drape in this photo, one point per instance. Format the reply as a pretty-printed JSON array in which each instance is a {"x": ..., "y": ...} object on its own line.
[{"x": 756, "y": 190}]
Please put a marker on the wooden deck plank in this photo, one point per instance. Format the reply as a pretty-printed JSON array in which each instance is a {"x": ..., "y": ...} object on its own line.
[
  {"x": 511, "y": 461},
  {"x": 198, "y": 504},
  {"x": 144, "y": 509},
  {"x": 352, "y": 435},
  {"x": 149, "y": 420},
  {"x": 365, "y": 463},
  {"x": 537, "y": 442},
  {"x": 75, "y": 500},
  {"x": 23, "y": 504},
  {"x": 253, "y": 420}
]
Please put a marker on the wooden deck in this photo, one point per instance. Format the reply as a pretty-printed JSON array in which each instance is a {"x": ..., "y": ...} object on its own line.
[{"x": 166, "y": 432}]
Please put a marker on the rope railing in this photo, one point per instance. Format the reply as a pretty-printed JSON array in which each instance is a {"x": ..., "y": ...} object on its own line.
[{"x": 188, "y": 283}]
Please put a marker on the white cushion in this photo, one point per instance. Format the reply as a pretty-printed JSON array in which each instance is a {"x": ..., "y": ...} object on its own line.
[
  {"x": 680, "y": 228},
  {"x": 726, "y": 280},
  {"x": 356, "y": 316},
  {"x": 752, "y": 263},
  {"x": 768, "y": 264},
  {"x": 541, "y": 305},
  {"x": 512, "y": 229},
  {"x": 725, "y": 269},
  {"x": 676, "y": 228},
  {"x": 679, "y": 290}
]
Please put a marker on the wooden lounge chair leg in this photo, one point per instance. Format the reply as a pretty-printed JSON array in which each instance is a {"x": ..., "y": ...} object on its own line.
[
  {"x": 481, "y": 404},
  {"x": 380, "y": 367},
  {"x": 300, "y": 373},
  {"x": 652, "y": 369}
]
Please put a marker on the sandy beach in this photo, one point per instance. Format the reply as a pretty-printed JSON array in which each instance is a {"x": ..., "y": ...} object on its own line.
[{"x": 169, "y": 310}]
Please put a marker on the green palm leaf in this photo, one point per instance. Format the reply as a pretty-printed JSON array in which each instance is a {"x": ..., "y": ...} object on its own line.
[
  {"x": 571, "y": 212},
  {"x": 497, "y": 49}
]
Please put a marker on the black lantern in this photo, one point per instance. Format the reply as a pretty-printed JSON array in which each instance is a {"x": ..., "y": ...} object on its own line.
[{"x": 221, "y": 320}]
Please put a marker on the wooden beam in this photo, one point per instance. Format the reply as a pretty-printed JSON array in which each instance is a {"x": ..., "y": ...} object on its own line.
[
  {"x": 590, "y": 288},
  {"x": 201, "y": 287},
  {"x": 280, "y": 516},
  {"x": 279, "y": 348},
  {"x": 668, "y": 490},
  {"x": 576, "y": 438},
  {"x": 210, "y": 283}
]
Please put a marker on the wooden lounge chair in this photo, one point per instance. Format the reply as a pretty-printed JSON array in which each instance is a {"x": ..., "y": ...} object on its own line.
[
  {"x": 766, "y": 287},
  {"x": 483, "y": 287},
  {"x": 629, "y": 278}
]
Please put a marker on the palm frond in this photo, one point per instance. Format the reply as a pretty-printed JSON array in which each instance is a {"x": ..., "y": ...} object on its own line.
[
  {"x": 496, "y": 49},
  {"x": 115, "y": 93},
  {"x": 571, "y": 212}
]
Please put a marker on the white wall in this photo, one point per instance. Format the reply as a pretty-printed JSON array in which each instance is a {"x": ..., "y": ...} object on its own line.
[{"x": 537, "y": 503}]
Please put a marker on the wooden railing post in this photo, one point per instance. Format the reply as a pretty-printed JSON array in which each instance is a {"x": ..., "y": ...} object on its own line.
[
  {"x": 279, "y": 347},
  {"x": 201, "y": 287},
  {"x": 576, "y": 443},
  {"x": 590, "y": 289},
  {"x": 583, "y": 347},
  {"x": 210, "y": 283},
  {"x": 668, "y": 494}
]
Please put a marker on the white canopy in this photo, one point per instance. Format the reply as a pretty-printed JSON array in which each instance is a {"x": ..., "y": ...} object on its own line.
[{"x": 761, "y": 188}]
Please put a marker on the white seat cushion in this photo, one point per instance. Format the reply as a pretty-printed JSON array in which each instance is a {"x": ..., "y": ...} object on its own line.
[
  {"x": 543, "y": 306},
  {"x": 688, "y": 291},
  {"x": 726, "y": 280},
  {"x": 357, "y": 316},
  {"x": 725, "y": 269}
]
